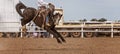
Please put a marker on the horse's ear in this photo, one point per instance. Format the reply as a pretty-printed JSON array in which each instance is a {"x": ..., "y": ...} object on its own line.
[{"x": 55, "y": 13}]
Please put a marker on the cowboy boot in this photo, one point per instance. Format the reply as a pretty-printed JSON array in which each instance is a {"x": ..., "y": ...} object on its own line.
[{"x": 43, "y": 26}]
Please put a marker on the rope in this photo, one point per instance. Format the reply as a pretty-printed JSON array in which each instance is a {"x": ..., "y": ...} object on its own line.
[{"x": 35, "y": 16}]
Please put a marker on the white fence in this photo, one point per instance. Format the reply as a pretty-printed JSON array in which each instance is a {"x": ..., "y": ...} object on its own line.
[
  {"x": 10, "y": 26},
  {"x": 16, "y": 27}
]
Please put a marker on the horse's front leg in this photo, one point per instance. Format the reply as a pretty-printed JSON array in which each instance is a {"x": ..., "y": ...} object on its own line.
[
  {"x": 53, "y": 29},
  {"x": 55, "y": 35}
]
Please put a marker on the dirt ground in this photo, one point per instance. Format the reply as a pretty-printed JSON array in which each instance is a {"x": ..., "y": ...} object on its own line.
[{"x": 50, "y": 46}]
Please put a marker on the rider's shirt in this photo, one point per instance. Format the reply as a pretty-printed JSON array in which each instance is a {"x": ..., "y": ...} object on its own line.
[{"x": 42, "y": 3}]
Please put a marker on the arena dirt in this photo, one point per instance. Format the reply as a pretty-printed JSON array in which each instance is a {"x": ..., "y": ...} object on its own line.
[{"x": 50, "y": 46}]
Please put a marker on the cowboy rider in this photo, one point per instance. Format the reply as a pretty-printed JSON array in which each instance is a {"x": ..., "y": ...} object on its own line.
[{"x": 41, "y": 3}]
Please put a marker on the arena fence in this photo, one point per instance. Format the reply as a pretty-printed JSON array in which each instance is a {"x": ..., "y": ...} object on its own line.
[{"x": 16, "y": 27}]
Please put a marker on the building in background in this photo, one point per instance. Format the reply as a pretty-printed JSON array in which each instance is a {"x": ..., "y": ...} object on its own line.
[{"x": 9, "y": 18}]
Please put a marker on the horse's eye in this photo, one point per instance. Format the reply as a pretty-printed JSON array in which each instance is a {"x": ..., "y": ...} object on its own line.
[{"x": 61, "y": 15}]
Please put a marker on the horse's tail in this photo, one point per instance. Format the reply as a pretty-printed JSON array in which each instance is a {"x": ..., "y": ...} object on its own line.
[{"x": 20, "y": 6}]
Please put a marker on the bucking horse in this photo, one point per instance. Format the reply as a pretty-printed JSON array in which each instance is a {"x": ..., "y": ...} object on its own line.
[{"x": 31, "y": 14}]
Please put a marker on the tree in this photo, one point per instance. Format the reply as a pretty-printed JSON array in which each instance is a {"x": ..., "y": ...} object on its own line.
[
  {"x": 102, "y": 20},
  {"x": 94, "y": 19},
  {"x": 84, "y": 20}
]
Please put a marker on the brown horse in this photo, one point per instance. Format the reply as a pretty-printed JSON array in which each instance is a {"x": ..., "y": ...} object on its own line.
[{"x": 30, "y": 13}]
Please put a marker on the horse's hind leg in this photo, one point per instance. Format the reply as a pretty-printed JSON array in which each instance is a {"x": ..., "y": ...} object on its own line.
[
  {"x": 55, "y": 35},
  {"x": 59, "y": 35}
]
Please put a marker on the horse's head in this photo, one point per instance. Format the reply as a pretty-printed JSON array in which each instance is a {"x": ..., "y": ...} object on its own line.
[{"x": 56, "y": 18}]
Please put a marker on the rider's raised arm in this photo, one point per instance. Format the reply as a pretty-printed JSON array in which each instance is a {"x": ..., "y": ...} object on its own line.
[{"x": 41, "y": 2}]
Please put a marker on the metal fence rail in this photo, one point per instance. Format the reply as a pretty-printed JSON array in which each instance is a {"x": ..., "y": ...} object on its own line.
[{"x": 16, "y": 27}]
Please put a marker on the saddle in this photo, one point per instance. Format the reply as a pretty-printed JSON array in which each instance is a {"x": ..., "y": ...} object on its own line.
[{"x": 42, "y": 9}]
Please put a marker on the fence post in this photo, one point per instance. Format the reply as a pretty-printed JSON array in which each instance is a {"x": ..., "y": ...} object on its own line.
[
  {"x": 111, "y": 29},
  {"x": 82, "y": 34},
  {"x": 21, "y": 33}
]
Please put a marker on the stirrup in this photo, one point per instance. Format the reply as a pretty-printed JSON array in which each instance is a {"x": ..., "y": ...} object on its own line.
[{"x": 48, "y": 24}]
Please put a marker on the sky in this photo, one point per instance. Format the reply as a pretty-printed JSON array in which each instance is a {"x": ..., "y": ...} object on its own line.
[{"x": 84, "y": 9}]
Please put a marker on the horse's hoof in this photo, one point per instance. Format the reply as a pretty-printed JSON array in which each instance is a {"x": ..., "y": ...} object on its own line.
[
  {"x": 59, "y": 42},
  {"x": 64, "y": 40}
]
